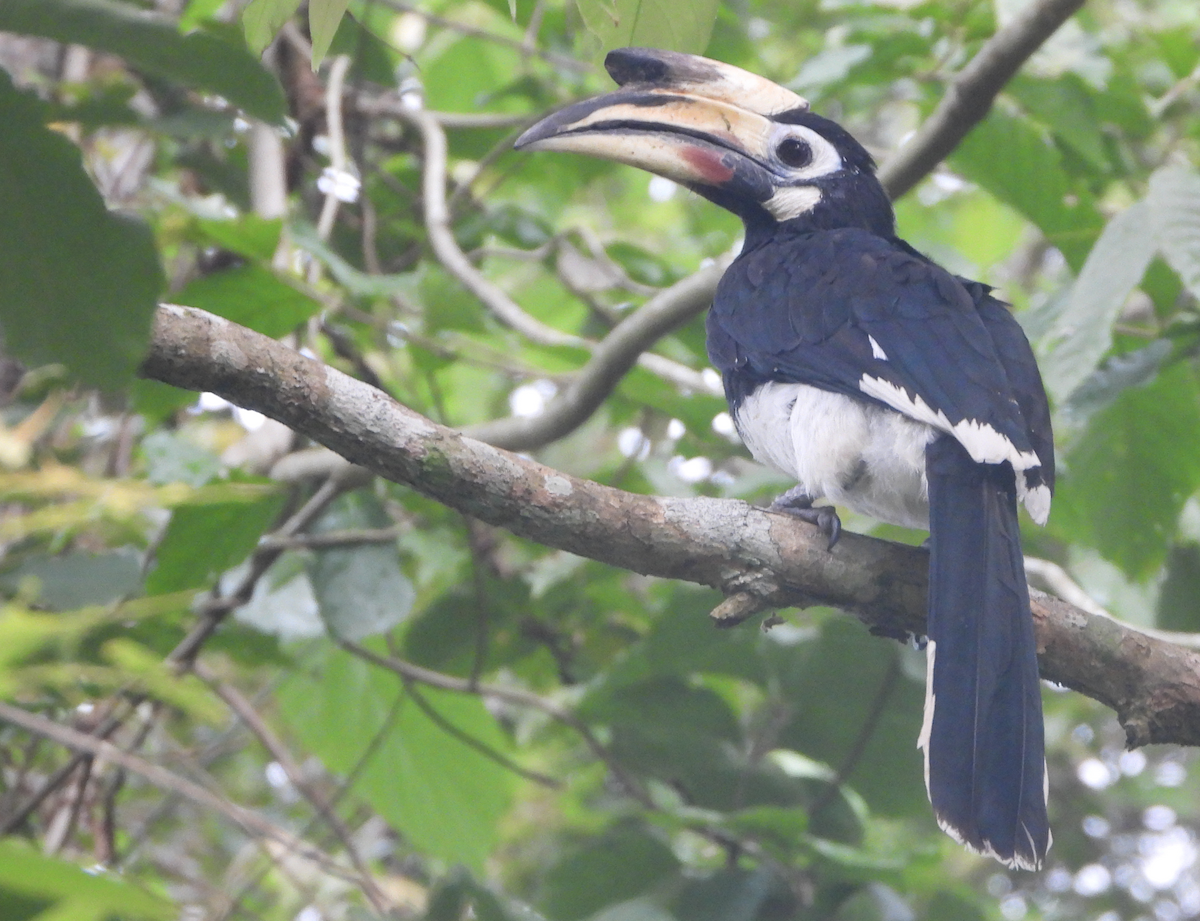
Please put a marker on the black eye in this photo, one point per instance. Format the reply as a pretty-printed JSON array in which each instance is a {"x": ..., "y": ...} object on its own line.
[{"x": 794, "y": 152}]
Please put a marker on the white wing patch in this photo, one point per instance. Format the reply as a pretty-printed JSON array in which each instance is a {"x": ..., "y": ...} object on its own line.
[
  {"x": 1037, "y": 500},
  {"x": 876, "y": 349},
  {"x": 983, "y": 443}
]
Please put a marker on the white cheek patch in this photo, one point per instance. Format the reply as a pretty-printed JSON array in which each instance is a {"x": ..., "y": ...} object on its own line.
[{"x": 792, "y": 201}]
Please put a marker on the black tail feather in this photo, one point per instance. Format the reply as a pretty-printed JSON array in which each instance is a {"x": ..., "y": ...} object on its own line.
[{"x": 984, "y": 751}]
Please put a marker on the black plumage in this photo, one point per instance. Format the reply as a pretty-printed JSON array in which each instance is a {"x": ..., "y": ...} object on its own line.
[{"x": 877, "y": 379}]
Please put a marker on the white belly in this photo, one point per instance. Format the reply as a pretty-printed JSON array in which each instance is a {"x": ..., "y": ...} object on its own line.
[{"x": 848, "y": 452}]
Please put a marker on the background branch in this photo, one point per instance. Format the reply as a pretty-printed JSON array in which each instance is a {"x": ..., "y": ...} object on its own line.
[
  {"x": 1154, "y": 686},
  {"x": 971, "y": 93}
]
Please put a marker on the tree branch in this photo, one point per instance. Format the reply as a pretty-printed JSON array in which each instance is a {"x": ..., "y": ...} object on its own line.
[
  {"x": 1154, "y": 686},
  {"x": 970, "y": 94}
]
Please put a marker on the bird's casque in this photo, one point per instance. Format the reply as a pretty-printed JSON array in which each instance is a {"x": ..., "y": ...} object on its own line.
[{"x": 876, "y": 379}]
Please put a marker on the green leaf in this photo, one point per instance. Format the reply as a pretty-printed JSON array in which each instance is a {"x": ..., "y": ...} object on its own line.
[
  {"x": 1030, "y": 178},
  {"x": 252, "y": 296},
  {"x": 634, "y": 910},
  {"x": 77, "y": 579},
  {"x": 360, "y": 590},
  {"x": 1083, "y": 332},
  {"x": 1065, "y": 106},
  {"x": 78, "y": 284},
  {"x": 249, "y": 235},
  {"x": 443, "y": 795},
  {"x": 615, "y": 867},
  {"x": 1137, "y": 456},
  {"x": 1175, "y": 198},
  {"x": 323, "y": 19},
  {"x": 197, "y": 12},
  {"x": 1103, "y": 386},
  {"x": 848, "y": 678},
  {"x": 202, "y": 541},
  {"x": 679, "y": 26},
  {"x": 734, "y": 894},
  {"x": 55, "y": 889},
  {"x": 263, "y": 18},
  {"x": 200, "y": 60},
  {"x": 1177, "y": 608}
]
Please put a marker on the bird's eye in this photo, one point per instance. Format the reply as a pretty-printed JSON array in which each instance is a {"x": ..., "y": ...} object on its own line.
[{"x": 794, "y": 152}]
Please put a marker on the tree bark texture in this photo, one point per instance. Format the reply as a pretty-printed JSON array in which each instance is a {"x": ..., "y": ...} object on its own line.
[{"x": 756, "y": 558}]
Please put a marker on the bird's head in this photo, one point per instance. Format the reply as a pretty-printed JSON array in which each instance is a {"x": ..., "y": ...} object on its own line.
[{"x": 741, "y": 141}]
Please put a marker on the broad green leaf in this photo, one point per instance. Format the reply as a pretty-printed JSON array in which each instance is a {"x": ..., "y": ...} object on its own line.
[
  {"x": 1177, "y": 608},
  {"x": 1128, "y": 476},
  {"x": 634, "y": 910},
  {"x": 197, "y": 11},
  {"x": 848, "y": 678},
  {"x": 57, "y": 890},
  {"x": 1175, "y": 199},
  {"x": 323, "y": 19},
  {"x": 1065, "y": 106},
  {"x": 76, "y": 580},
  {"x": 1083, "y": 332},
  {"x": 443, "y": 795},
  {"x": 678, "y": 26},
  {"x": 200, "y": 60},
  {"x": 78, "y": 284},
  {"x": 734, "y": 894},
  {"x": 1104, "y": 385},
  {"x": 202, "y": 541},
  {"x": 249, "y": 235},
  {"x": 361, "y": 590},
  {"x": 615, "y": 867},
  {"x": 261, "y": 19},
  {"x": 252, "y": 296},
  {"x": 1030, "y": 178},
  {"x": 171, "y": 457}
]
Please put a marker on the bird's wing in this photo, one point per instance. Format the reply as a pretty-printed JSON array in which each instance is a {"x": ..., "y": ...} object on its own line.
[{"x": 847, "y": 311}]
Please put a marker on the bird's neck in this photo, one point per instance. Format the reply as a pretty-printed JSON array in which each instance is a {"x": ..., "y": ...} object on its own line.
[{"x": 858, "y": 201}]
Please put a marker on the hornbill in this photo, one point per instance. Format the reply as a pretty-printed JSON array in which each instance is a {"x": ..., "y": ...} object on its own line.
[{"x": 876, "y": 379}]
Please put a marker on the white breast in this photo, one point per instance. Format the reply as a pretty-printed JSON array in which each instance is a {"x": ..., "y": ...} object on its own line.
[{"x": 843, "y": 450}]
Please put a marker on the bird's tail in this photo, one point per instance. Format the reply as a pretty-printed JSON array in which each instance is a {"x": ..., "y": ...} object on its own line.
[{"x": 985, "y": 764}]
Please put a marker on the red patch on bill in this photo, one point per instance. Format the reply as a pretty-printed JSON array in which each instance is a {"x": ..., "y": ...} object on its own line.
[{"x": 708, "y": 164}]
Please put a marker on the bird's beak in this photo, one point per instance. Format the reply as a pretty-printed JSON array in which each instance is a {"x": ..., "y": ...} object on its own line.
[{"x": 699, "y": 122}]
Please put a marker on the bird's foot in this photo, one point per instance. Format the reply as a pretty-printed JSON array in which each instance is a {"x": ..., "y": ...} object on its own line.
[{"x": 796, "y": 501}]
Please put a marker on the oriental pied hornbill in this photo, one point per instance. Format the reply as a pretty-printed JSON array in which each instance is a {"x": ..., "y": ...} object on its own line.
[{"x": 878, "y": 380}]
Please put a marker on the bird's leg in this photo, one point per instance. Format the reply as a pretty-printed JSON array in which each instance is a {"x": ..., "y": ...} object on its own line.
[{"x": 796, "y": 501}]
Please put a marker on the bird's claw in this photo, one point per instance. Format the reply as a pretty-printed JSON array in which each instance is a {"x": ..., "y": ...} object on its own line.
[{"x": 799, "y": 503}]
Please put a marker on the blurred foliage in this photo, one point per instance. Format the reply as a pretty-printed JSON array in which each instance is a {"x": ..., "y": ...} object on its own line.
[{"x": 566, "y": 741}]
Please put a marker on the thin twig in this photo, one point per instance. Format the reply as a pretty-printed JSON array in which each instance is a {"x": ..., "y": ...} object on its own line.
[
  {"x": 338, "y": 159},
  {"x": 328, "y": 540},
  {"x": 248, "y": 714},
  {"x": 515, "y": 696},
  {"x": 611, "y": 360},
  {"x": 215, "y": 610},
  {"x": 473, "y": 743},
  {"x": 455, "y": 261},
  {"x": 867, "y": 728}
]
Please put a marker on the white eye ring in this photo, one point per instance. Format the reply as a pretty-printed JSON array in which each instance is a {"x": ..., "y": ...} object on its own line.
[{"x": 823, "y": 158}]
